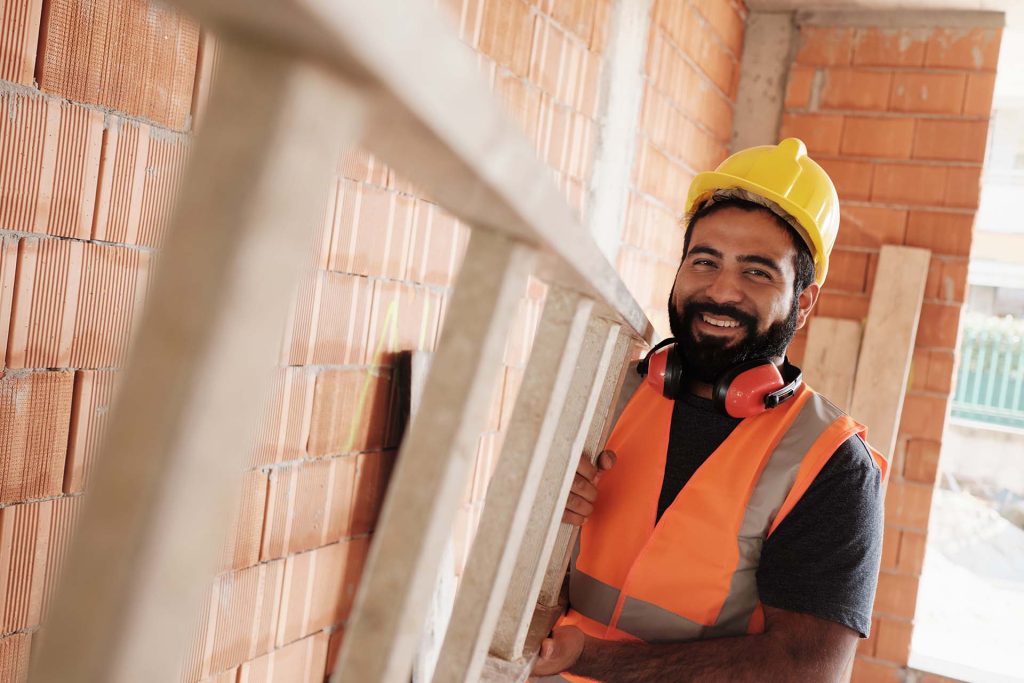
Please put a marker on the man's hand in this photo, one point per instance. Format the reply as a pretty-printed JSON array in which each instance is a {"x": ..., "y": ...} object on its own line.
[
  {"x": 559, "y": 652},
  {"x": 583, "y": 493}
]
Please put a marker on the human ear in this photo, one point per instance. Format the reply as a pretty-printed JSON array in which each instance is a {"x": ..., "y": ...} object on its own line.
[{"x": 805, "y": 303}]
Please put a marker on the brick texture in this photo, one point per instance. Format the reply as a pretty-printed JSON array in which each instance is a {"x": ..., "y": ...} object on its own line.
[
  {"x": 19, "y": 37},
  {"x": 899, "y": 118},
  {"x": 35, "y": 412},
  {"x": 49, "y": 165},
  {"x": 136, "y": 57}
]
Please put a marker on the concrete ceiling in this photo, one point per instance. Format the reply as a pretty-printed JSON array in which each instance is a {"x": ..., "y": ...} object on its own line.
[{"x": 1014, "y": 9}]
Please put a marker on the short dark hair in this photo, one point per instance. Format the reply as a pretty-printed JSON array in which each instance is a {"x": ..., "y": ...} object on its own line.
[{"x": 803, "y": 262}]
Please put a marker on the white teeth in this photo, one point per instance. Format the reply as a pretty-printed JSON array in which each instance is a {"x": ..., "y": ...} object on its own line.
[{"x": 719, "y": 323}]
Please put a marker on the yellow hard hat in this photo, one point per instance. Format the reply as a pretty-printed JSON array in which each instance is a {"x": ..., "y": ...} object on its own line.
[{"x": 785, "y": 175}]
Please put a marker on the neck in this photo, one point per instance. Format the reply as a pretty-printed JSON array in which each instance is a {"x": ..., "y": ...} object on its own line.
[{"x": 705, "y": 390}]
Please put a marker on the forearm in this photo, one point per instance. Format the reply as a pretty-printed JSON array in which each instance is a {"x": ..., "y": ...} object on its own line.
[{"x": 732, "y": 660}]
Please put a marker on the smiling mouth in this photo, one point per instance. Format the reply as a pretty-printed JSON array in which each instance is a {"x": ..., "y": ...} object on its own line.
[{"x": 724, "y": 323}]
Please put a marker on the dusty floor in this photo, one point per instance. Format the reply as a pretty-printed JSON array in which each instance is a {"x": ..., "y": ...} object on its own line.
[{"x": 970, "y": 608}]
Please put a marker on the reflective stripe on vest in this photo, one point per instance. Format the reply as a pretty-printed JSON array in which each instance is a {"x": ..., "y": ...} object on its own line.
[{"x": 597, "y": 600}]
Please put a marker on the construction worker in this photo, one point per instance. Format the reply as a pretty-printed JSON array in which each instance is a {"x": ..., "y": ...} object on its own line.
[{"x": 733, "y": 527}]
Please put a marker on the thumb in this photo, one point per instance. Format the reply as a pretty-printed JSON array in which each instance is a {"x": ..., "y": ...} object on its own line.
[{"x": 546, "y": 648}]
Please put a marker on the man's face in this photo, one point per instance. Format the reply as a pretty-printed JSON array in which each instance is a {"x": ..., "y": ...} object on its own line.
[{"x": 733, "y": 298}]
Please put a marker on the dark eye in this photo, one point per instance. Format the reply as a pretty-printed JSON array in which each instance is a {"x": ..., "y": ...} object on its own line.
[{"x": 759, "y": 274}]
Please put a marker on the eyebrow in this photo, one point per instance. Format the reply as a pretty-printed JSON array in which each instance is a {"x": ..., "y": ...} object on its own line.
[{"x": 744, "y": 258}]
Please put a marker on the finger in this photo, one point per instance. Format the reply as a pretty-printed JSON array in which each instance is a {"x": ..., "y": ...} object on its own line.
[
  {"x": 580, "y": 506},
  {"x": 583, "y": 488},
  {"x": 547, "y": 648},
  {"x": 572, "y": 518},
  {"x": 606, "y": 460},
  {"x": 586, "y": 469}
]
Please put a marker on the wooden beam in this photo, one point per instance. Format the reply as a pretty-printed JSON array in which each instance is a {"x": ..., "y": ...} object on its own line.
[
  {"x": 433, "y": 464},
  {"x": 548, "y": 389},
  {"x": 598, "y": 361},
  {"x": 830, "y": 358},
  {"x": 888, "y": 345},
  {"x": 167, "y": 480},
  {"x": 472, "y": 158}
]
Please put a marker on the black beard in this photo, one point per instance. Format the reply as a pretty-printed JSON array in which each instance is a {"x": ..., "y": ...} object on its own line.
[{"x": 708, "y": 358}]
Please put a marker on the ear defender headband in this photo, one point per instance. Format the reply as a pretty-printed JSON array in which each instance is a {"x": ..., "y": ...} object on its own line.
[{"x": 744, "y": 390}]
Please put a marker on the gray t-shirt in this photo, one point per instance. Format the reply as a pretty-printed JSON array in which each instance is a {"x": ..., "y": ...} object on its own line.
[{"x": 823, "y": 558}]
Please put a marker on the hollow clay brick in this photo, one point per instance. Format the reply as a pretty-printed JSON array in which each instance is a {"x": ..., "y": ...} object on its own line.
[
  {"x": 226, "y": 676},
  {"x": 242, "y": 548},
  {"x": 140, "y": 173},
  {"x": 137, "y": 57},
  {"x": 371, "y": 231},
  {"x": 928, "y": 92},
  {"x": 246, "y": 607},
  {"x": 944, "y": 232},
  {"x": 92, "y": 402},
  {"x": 978, "y": 98},
  {"x": 889, "y": 47},
  {"x": 309, "y": 505},
  {"x": 893, "y": 640},
  {"x": 914, "y": 184},
  {"x": 912, "y": 550},
  {"x": 505, "y": 34},
  {"x": 35, "y": 411},
  {"x": 825, "y": 45},
  {"x": 890, "y": 138},
  {"x": 851, "y": 88},
  {"x": 8, "y": 268},
  {"x": 14, "y": 657},
  {"x": 319, "y": 588},
  {"x": 963, "y": 187},
  {"x": 63, "y": 520},
  {"x": 951, "y": 140},
  {"x": 350, "y": 411},
  {"x": 896, "y": 595},
  {"x": 24, "y": 545},
  {"x": 821, "y": 133},
  {"x": 853, "y": 179},
  {"x": 873, "y": 671},
  {"x": 49, "y": 161},
  {"x": 283, "y": 426},
  {"x": 907, "y": 505},
  {"x": 19, "y": 37},
  {"x": 303, "y": 661},
  {"x": 798, "y": 86},
  {"x": 963, "y": 48},
  {"x": 847, "y": 271},
  {"x": 438, "y": 245},
  {"x": 402, "y": 318},
  {"x": 330, "y": 319},
  {"x": 75, "y": 304},
  {"x": 870, "y": 226}
]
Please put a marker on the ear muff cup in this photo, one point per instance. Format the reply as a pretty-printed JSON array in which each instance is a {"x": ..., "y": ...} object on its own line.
[
  {"x": 740, "y": 392},
  {"x": 744, "y": 390}
]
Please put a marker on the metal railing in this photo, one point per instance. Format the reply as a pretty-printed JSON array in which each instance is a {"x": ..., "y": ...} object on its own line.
[
  {"x": 990, "y": 381},
  {"x": 296, "y": 82}
]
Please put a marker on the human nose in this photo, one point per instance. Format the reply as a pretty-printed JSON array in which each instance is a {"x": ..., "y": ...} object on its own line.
[{"x": 724, "y": 288}]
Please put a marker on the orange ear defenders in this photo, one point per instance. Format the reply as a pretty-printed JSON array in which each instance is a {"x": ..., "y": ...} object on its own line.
[{"x": 744, "y": 390}]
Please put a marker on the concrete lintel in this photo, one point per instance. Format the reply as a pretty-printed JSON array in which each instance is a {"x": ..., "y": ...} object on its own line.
[
  {"x": 768, "y": 48},
  {"x": 903, "y": 18}
]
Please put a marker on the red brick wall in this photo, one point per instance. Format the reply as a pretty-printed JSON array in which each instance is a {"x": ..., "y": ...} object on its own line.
[
  {"x": 89, "y": 164},
  {"x": 899, "y": 118},
  {"x": 96, "y": 102},
  {"x": 690, "y": 80}
]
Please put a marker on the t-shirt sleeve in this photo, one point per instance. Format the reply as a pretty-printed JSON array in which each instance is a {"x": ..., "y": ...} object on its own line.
[{"x": 823, "y": 558}]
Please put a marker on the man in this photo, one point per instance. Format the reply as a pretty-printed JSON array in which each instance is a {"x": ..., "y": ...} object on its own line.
[{"x": 723, "y": 547}]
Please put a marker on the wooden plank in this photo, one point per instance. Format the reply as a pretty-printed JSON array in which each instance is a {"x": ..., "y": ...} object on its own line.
[
  {"x": 193, "y": 385},
  {"x": 433, "y": 464},
  {"x": 830, "y": 358},
  {"x": 599, "y": 355},
  {"x": 619, "y": 389},
  {"x": 472, "y": 158},
  {"x": 888, "y": 344},
  {"x": 529, "y": 444}
]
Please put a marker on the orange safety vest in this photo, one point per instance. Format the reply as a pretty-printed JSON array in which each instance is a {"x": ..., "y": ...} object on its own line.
[{"x": 692, "y": 574}]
